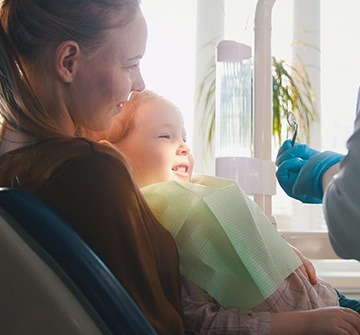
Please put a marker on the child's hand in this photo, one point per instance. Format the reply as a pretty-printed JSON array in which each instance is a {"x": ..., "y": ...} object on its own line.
[
  {"x": 307, "y": 268},
  {"x": 333, "y": 320},
  {"x": 329, "y": 321}
]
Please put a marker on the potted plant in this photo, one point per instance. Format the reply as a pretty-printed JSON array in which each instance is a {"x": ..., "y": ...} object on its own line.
[{"x": 292, "y": 91}]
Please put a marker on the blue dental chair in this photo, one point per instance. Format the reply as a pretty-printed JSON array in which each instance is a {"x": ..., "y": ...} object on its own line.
[{"x": 51, "y": 282}]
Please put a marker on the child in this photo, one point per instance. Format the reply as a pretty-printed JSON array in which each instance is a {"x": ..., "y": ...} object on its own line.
[{"x": 215, "y": 254}]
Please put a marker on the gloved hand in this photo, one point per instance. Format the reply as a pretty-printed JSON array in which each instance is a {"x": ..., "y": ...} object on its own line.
[{"x": 300, "y": 170}]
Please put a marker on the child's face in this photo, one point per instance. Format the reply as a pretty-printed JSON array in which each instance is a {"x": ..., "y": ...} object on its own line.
[{"x": 156, "y": 148}]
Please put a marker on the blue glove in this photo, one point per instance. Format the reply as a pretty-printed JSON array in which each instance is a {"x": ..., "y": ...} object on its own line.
[{"x": 300, "y": 170}]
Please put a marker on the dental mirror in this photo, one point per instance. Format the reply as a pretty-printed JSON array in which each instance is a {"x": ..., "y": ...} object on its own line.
[{"x": 291, "y": 120}]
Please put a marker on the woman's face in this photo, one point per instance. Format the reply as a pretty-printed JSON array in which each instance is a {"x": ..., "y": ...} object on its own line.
[
  {"x": 105, "y": 80},
  {"x": 156, "y": 148}
]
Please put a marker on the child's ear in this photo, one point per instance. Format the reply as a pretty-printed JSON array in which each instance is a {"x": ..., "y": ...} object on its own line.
[{"x": 67, "y": 60}]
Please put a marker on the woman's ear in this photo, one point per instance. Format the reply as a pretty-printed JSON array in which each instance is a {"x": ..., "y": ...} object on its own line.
[
  {"x": 66, "y": 60},
  {"x": 106, "y": 142},
  {"x": 109, "y": 144}
]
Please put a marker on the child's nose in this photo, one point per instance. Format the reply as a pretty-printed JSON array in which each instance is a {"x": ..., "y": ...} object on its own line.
[{"x": 184, "y": 149}]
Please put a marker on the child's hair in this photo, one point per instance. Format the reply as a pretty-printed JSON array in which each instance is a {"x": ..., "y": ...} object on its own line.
[
  {"x": 30, "y": 31},
  {"x": 120, "y": 131}
]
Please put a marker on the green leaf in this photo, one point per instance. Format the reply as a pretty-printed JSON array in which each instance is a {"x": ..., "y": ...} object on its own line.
[{"x": 292, "y": 91}]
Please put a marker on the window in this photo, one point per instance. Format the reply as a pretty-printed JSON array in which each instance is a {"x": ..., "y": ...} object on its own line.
[{"x": 169, "y": 65}]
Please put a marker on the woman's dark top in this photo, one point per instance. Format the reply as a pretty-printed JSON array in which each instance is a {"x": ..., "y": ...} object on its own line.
[{"x": 89, "y": 185}]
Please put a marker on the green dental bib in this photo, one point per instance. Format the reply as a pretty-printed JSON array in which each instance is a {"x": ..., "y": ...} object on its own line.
[{"x": 226, "y": 243}]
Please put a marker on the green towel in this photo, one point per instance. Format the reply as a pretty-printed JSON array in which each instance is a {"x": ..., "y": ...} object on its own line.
[{"x": 226, "y": 243}]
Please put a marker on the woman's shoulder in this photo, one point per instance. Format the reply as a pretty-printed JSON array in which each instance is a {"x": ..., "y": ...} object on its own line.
[
  {"x": 44, "y": 160},
  {"x": 63, "y": 147},
  {"x": 65, "y": 151},
  {"x": 75, "y": 147}
]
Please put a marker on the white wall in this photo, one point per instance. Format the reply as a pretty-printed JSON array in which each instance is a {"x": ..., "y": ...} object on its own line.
[
  {"x": 169, "y": 63},
  {"x": 340, "y": 70}
]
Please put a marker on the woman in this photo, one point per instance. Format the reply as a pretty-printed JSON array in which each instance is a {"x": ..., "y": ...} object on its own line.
[{"x": 67, "y": 64}]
